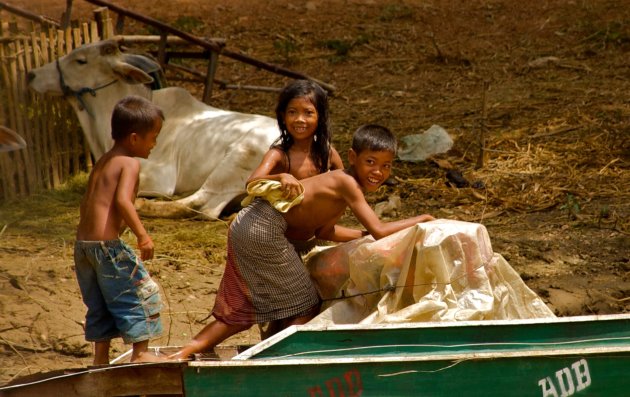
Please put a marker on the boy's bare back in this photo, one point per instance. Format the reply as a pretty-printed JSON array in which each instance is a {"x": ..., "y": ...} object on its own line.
[
  {"x": 108, "y": 204},
  {"x": 112, "y": 187},
  {"x": 323, "y": 204}
]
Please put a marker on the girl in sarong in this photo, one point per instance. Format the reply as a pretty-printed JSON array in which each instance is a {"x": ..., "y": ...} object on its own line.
[
  {"x": 303, "y": 149},
  {"x": 264, "y": 278}
]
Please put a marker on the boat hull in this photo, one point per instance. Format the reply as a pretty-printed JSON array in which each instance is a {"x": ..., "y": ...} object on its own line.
[
  {"x": 561, "y": 357},
  {"x": 581, "y": 372}
]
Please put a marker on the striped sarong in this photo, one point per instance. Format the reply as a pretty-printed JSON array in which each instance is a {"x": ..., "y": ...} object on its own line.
[{"x": 264, "y": 278}]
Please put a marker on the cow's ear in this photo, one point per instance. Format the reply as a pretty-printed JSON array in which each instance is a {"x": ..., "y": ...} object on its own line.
[{"x": 131, "y": 74}]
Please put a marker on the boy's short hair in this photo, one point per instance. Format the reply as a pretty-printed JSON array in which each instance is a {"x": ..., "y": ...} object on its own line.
[
  {"x": 374, "y": 137},
  {"x": 134, "y": 114}
]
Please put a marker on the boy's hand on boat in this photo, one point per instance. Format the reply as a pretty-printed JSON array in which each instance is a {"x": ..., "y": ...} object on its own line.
[{"x": 179, "y": 356}]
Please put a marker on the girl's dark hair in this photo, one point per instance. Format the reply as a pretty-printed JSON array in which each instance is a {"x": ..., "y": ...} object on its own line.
[
  {"x": 134, "y": 114},
  {"x": 320, "y": 150},
  {"x": 374, "y": 137}
]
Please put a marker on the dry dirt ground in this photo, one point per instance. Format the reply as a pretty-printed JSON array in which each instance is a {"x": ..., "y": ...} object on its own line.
[{"x": 547, "y": 81}]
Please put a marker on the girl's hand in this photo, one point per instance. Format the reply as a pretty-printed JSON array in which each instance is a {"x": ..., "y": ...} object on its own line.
[{"x": 290, "y": 186}]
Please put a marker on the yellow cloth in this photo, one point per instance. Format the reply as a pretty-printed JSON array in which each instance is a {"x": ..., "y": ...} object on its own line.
[{"x": 272, "y": 192}]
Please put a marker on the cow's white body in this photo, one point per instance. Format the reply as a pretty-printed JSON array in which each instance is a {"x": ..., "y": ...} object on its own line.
[{"x": 204, "y": 155}]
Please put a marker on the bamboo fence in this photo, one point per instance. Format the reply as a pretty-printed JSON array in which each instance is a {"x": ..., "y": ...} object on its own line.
[{"x": 55, "y": 148}]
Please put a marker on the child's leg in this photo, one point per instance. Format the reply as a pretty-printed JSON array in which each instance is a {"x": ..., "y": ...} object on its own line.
[
  {"x": 210, "y": 336},
  {"x": 101, "y": 352},
  {"x": 299, "y": 320},
  {"x": 271, "y": 328},
  {"x": 138, "y": 350}
]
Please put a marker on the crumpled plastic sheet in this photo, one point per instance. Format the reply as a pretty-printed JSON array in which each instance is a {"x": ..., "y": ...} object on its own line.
[{"x": 443, "y": 270}]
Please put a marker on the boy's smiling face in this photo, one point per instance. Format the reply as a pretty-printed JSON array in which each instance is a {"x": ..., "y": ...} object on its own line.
[{"x": 371, "y": 168}]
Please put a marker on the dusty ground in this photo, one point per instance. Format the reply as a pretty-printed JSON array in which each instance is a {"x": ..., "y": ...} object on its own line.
[{"x": 556, "y": 199}]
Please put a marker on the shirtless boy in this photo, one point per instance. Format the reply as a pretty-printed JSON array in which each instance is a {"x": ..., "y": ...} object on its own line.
[
  {"x": 264, "y": 279},
  {"x": 121, "y": 298}
]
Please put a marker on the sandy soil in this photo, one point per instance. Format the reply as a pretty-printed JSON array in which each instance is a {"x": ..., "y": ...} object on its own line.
[{"x": 557, "y": 120}]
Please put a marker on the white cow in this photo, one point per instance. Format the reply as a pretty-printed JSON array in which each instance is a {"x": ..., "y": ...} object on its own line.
[{"x": 203, "y": 155}]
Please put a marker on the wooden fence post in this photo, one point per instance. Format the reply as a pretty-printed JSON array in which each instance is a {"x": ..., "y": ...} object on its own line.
[
  {"x": 55, "y": 148},
  {"x": 212, "y": 71}
]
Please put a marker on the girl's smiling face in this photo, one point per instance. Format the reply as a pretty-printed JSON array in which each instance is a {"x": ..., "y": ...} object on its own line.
[
  {"x": 371, "y": 168},
  {"x": 301, "y": 118}
]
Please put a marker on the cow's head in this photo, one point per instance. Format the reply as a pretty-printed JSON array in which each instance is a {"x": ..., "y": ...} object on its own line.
[
  {"x": 90, "y": 68},
  {"x": 93, "y": 78}
]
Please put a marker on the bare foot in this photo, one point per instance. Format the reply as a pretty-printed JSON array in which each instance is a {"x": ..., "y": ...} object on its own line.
[{"x": 148, "y": 357}]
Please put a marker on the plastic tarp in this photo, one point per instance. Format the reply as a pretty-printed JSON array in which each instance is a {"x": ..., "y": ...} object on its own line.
[{"x": 443, "y": 270}]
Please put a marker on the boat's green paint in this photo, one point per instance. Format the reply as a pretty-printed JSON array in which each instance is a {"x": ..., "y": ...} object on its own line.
[
  {"x": 558, "y": 357},
  {"x": 559, "y": 374},
  {"x": 554, "y": 357},
  {"x": 446, "y": 338}
]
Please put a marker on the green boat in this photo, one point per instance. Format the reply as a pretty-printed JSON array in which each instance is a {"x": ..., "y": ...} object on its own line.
[
  {"x": 566, "y": 356},
  {"x": 563, "y": 372}
]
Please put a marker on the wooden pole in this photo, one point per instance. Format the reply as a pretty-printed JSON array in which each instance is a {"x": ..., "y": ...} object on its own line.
[
  {"x": 43, "y": 20},
  {"x": 161, "y": 56},
  {"x": 149, "y": 39},
  {"x": 38, "y": 143},
  {"x": 212, "y": 45},
  {"x": 66, "y": 16},
  {"x": 16, "y": 124},
  {"x": 6, "y": 163},
  {"x": 212, "y": 70},
  {"x": 120, "y": 24},
  {"x": 481, "y": 159},
  {"x": 74, "y": 137},
  {"x": 33, "y": 181},
  {"x": 200, "y": 77},
  {"x": 56, "y": 42},
  {"x": 42, "y": 111},
  {"x": 99, "y": 17}
]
